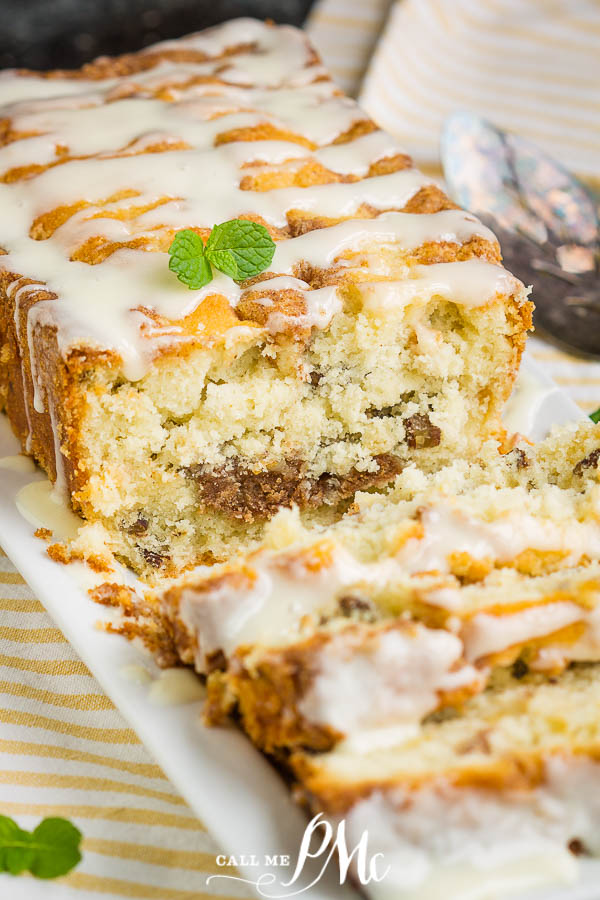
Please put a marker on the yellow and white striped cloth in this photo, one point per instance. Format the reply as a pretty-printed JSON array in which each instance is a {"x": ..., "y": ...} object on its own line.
[
  {"x": 533, "y": 66},
  {"x": 64, "y": 749}
]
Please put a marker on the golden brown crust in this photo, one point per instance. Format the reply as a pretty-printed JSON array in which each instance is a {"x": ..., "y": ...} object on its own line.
[
  {"x": 141, "y": 620},
  {"x": 313, "y": 172},
  {"x": 519, "y": 771},
  {"x": 63, "y": 553},
  {"x": 267, "y": 695},
  {"x": 33, "y": 428}
]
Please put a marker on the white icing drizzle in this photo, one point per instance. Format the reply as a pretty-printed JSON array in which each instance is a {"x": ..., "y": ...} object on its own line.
[
  {"x": 270, "y": 609},
  {"x": 60, "y": 480},
  {"x": 523, "y": 406},
  {"x": 324, "y": 246},
  {"x": 17, "y": 319},
  {"x": 39, "y": 503},
  {"x": 473, "y": 282},
  {"x": 18, "y": 462},
  {"x": 368, "y": 688},
  {"x": 174, "y": 687},
  {"x": 280, "y": 597},
  {"x": 282, "y": 53},
  {"x": 134, "y": 673},
  {"x": 448, "y": 530},
  {"x": 355, "y": 158},
  {"x": 321, "y": 306},
  {"x": 284, "y": 598},
  {"x": 485, "y": 634},
  {"x": 14, "y": 89},
  {"x": 445, "y": 841}
]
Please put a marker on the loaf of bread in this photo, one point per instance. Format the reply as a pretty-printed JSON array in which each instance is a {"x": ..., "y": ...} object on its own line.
[{"x": 385, "y": 329}]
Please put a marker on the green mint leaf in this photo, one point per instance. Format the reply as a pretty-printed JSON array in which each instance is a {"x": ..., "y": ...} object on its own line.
[
  {"x": 188, "y": 259},
  {"x": 240, "y": 249},
  {"x": 595, "y": 416},
  {"x": 52, "y": 849},
  {"x": 56, "y": 844},
  {"x": 15, "y": 853}
]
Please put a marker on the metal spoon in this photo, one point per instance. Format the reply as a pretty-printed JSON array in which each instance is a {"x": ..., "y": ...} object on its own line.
[{"x": 545, "y": 220}]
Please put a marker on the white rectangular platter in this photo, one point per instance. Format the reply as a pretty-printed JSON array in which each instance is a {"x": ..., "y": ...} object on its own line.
[{"x": 229, "y": 785}]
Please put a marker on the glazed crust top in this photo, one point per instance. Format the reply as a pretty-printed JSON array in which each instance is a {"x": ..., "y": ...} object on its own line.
[{"x": 101, "y": 167}]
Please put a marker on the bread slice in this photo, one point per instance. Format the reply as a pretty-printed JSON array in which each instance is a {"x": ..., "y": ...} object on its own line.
[
  {"x": 502, "y": 555},
  {"x": 346, "y": 681},
  {"x": 384, "y": 332},
  {"x": 498, "y": 798}
]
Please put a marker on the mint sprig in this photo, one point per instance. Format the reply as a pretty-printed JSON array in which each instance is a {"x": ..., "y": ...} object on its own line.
[
  {"x": 595, "y": 416},
  {"x": 50, "y": 850},
  {"x": 188, "y": 260},
  {"x": 238, "y": 248}
]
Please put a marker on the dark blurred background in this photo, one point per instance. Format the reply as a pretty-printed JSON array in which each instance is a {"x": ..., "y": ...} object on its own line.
[{"x": 46, "y": 34}]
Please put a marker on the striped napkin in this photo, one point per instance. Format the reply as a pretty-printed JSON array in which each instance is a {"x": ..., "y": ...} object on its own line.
[
  {"x": 532, "y": 66},
  {"x": 64, "y": 749}
]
